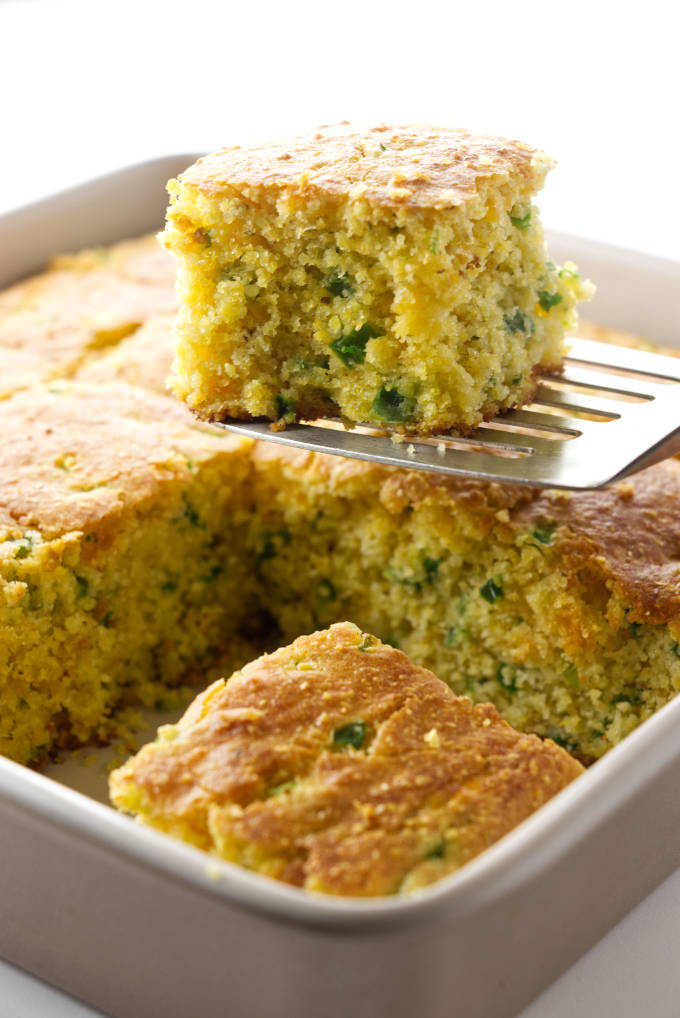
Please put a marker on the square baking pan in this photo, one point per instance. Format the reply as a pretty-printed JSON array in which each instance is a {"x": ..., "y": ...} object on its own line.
[{"x": 140, "y": 925}]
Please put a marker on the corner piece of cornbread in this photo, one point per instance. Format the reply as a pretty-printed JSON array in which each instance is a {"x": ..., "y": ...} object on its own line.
[
  {"x": 395, "y": 276},
  {"x": 338, "y": 765},
  {"x": 120, "y": 567}
]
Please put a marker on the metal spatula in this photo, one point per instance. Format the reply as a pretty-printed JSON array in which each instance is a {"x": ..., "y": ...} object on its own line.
[{"x": 613, "y": 411}]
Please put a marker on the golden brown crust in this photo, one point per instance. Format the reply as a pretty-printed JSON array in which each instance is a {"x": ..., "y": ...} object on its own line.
[
  {"x": 413, "y": 166},
  {"x": 429, "y": 781},
  {"x": 144, "y": 358},
  {"x": 86, "y": 302},
  {"x": 75, "y": 456}
]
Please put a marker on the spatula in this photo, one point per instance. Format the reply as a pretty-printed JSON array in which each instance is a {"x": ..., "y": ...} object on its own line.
[{"x": 612, "y": 412}]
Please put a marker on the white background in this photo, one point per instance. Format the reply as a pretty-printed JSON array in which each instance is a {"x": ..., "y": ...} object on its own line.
[{"x": 86, "y": 87}]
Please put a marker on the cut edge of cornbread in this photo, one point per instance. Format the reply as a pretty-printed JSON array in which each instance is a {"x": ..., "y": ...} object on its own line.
[
  {"x": 120, "y": 567},
  {"x": 562, "y": 609},
  {"x": 338, "y": 765}
]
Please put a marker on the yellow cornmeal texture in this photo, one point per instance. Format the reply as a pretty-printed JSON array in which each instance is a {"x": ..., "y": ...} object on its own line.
[
  {"x": 54, "y": 324},
  {"x": 397, "y": 276},
  {"x": 575, "y": 635},
  {"x": 562, "y": 610},
  {"x": 337, "y": 765},
  {"x": 120, "y": 569}
]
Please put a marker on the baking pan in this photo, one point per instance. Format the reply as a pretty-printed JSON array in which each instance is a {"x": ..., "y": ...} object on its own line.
[{"x": 140, "y": 925}]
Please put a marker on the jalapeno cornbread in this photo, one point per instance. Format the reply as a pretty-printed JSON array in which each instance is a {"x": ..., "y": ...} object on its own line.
[
  {"x": 561, "y": 609},
  {"x": 337, "y": 765},
  {"x": 396, "y": 275},
  {"x": 120, "y": 567}
]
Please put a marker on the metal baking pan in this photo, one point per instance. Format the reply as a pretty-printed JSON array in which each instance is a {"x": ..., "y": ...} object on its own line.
[{"x": 140, "y": 925}]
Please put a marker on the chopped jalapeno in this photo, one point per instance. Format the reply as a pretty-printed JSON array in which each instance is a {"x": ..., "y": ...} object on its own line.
[
  {"x": 285, "y": 408},
  {"x": 549, "y": 300},
  {"x": 390, "y": 405},
  {"x": 452, "y": 634},
  {"x": 506, "y": 678},
  {"x": 105, "y": 620},
  {"x": 325, "y": 590},
  {"x": 211, "y": 574},
  {"x": 190, "y": 515},
  {"x": 350, "y": 735},
  {"x": 437, "y": 850},
  {"x": 431, "y": 567},
  {"x": 491, "y": 591},
  {"x": 272, "y": 543},
  {"x": 517, "y": 379},
  {"x": 82, "y": 587},
  {"x": 544, "y": 532},
  {"x": 169, "y": 587},
  {"x": 339, "y": 284},
  {"x": 571, "y": 677},
  {"x": 675, "y": 650},
  {"x": 562, "y": 739},
  {"x": 434, "y": 242},
  {"x": 632, "y": 697},
  {"x": 351, "y": 348},
  {"x": 568, "y": 273},
  {"x": 521, "y": 222},
  {"x": 517, "y": 321}
]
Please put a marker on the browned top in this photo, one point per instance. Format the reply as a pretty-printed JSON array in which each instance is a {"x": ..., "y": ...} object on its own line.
[
  {"x": 422, "y": 782},
  {"x": 628, "y": 534},
  {"x": 75, "y": 455},
  {"x": 143, "y": 358},
  {"x": 85, "y": 302},
  {"x": 420, "y": 166}
]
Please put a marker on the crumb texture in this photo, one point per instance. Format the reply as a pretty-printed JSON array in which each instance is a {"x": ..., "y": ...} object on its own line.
[
  {"x": 396, "y": 276},
  {"x": 141, "y": 549}
]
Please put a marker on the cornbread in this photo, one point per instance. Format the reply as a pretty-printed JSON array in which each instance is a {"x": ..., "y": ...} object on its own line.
[
  {"x": 337, "y": 765},
  {"x": 142, "y": 358},
  {"x": 51, "y": 324},
  {"x": 562, "y": 609},
  {"x": 395, "y": 275},
  {"x": 120, "y": 568}
]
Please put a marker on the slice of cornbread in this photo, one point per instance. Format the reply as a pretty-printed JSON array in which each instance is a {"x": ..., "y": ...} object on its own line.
[
  {"x": 395, "y": 275},
  {"x": 85, "y": 303},
  {"x": 561, "y": 609},
  {"x": 338, "y": 765},
  {"x": 120, "y": 563}
]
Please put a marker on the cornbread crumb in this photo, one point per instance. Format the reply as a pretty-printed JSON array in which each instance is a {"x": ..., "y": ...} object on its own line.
[{"x": 372, "y": 800}]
